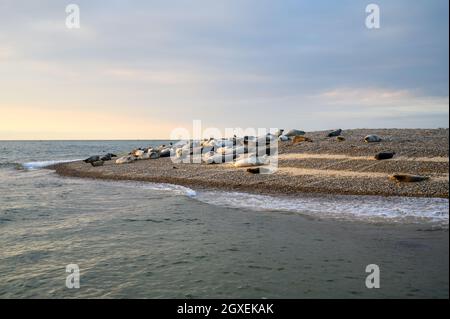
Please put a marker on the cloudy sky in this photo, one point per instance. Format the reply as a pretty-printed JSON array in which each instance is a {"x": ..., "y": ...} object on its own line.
[{"x": 139, "y": 69}]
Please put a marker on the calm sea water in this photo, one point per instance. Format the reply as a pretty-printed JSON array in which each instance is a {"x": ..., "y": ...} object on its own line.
[{"x": 143, "y": 240}]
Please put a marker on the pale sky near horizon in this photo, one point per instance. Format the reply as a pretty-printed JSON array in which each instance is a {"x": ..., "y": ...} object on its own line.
[{"x": 139, "y": 69}]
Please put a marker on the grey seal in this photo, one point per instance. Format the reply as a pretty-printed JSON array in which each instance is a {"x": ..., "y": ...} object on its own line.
[
  {"x": 384, "y": 155},
  {"x": 335, "y": 133},
  {"x": 92, "y": 159},
  {"x": 372, "y": 138},
  {"x": 97, "y": 163}
]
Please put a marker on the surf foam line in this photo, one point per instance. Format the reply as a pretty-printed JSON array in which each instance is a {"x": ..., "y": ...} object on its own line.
[
  {"x": 358, "y": 207},
  {"x": 44, "y": 164},
  {"x": 343, "y": 207},
  {"x": 160, "y": 187}
]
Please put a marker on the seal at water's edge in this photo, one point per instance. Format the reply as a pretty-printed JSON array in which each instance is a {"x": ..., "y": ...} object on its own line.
[
  {"x": 92, "y": 159},
  {"x": 384, "y": 155},
  {"x": 407, "y": 178},
  {"x": 108, "y": 157}
]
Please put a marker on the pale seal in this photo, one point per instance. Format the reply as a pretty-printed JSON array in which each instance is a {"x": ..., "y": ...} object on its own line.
[
  {"x": 125, "y": 159},
  {"x": 294, "y": 132}
]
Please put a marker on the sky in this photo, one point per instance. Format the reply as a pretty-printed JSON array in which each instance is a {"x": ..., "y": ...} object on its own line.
[{"x": 140, "y": 69}]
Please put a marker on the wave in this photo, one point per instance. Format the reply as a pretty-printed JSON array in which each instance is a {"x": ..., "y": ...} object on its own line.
[
  {"x": 44, "y": 164},
  {"x": 369, "y": 208},
  {"x": 343, "y": 207},
  {"x": 347, "y": 207}
]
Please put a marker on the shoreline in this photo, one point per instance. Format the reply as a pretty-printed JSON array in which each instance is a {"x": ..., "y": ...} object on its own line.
[{"x": 324, "y": 166}]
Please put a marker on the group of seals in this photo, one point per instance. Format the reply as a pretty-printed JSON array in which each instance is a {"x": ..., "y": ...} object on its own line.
[
  {"x": 97, "y": 160},
  {"x": 145, "y": 154}
]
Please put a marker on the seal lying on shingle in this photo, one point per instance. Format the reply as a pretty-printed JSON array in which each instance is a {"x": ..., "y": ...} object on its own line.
[
  {"x": 108, "y": 157},
  {"x": 125, "y": 159},
  {"x": 92, "y": 159},
  {"x": 384, "y": 155},
  {"x": 258, "y": 170},
  {"x": 97, "y": 163},
  {"x": 293, "y": 132},
  {"x": 299, "y": 139},
  {"x": 406, "y": 178},
  {"x": 372, "y": 139},
  {"x": 335, "y": 133}
]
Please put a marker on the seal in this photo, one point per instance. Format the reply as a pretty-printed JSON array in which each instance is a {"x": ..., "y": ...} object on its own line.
[
  {"x": 300, "y": 139},
  {"x": 372, "y": 138},
  {"x": 294, "y": 132},
  {"x": 335, "y": 133},
  {"x": 137, "y": 153},
  {"x": 125, "y": 159},
  {"x": 92, "y": 159},
  {"x": 164, "y": 152},
  {"x": 154, "y": 155},
  {"x": 108, "y": 157},
  {"x": 97, "y": 163},
  {"x": 407, "y": 178},
  {"x": 384, "y": 155},
  {"x": 279, "y": 132},
  {"x": 251, "y": 161},
  {"x": 258, "y": 170}
]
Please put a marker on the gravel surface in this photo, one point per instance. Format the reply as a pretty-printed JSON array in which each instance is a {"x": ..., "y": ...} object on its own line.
[{"x": 421, "y": 152}]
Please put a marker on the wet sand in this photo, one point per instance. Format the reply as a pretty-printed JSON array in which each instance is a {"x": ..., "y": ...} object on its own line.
[{"x": 323, "y": 166}]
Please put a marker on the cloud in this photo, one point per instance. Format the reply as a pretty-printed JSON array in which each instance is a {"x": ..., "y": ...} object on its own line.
[{"x": 230, "y": 63}]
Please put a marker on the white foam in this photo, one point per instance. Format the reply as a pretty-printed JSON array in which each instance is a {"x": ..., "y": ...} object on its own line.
[
  {"x": 171, "y": 187},
  {"x": 165, "y": 187},
  {"x": 375, "y": 208},
  {"x": 43, "y": 164}
]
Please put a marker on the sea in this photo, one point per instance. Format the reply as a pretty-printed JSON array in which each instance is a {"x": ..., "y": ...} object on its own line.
[{"x": 148, "y": 240}]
